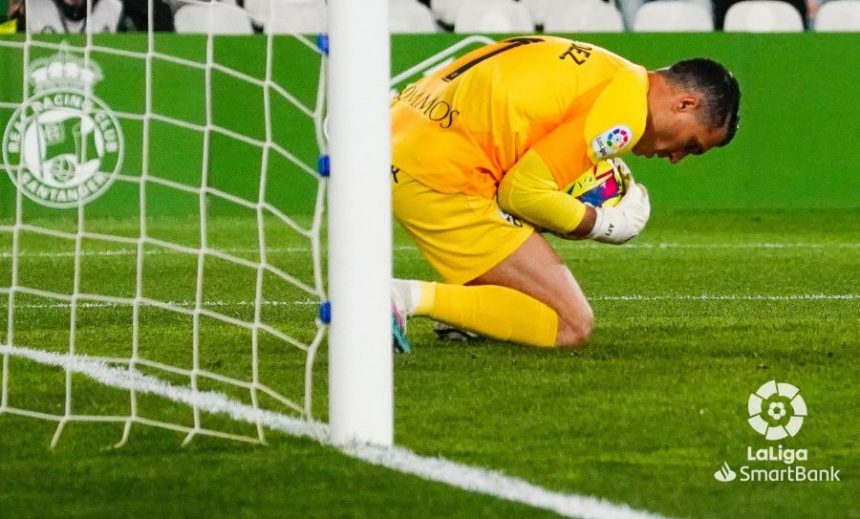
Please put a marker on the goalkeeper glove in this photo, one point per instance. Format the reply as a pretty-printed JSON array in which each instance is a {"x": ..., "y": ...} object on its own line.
[{"x": 626, "y": 220}]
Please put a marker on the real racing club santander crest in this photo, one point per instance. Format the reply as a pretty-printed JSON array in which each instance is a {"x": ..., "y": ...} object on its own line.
[{"x": 63, "y": 146}]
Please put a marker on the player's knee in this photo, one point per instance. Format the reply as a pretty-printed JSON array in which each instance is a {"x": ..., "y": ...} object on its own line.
[{"x": 575, "y": 328}]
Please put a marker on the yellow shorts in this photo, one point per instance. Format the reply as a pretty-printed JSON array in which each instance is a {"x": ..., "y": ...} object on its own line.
[{"x": 461, "y": 236}]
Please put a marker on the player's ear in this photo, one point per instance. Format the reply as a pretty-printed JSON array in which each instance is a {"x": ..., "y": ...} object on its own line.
[{"x": 687, "y": 102}]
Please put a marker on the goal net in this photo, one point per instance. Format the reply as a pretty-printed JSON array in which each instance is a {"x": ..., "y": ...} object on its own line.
[{"x": 162, "y": 252}]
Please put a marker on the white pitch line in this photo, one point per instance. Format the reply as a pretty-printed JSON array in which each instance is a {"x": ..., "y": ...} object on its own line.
[
  {"x": 732, "y": 297},
  {"x": 707, "y": 246},
  {"x": 185, "y": 304},
  {"x": 473, "y": 479},
  {"x": 495, "y": 484},
  {"x": 313, "y": 302},
  {"x": 6, "y": 253}
]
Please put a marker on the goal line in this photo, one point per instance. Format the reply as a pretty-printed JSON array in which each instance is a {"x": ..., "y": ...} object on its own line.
[{"x": 469, "y": 478}]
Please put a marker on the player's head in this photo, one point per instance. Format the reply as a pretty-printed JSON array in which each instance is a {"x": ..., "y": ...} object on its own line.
[
  {"x": 75, "y": 10},
  {"x": 692, "y": 107}
]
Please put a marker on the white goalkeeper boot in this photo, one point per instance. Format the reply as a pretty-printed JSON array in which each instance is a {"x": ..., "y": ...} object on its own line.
[{"x": 404, "y": 299}]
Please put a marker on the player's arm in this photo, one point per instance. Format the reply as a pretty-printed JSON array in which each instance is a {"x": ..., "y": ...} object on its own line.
[
  {"x": 529, "y": 191},
  {"x": 616, "y": 120},
  {"x": 14, "y": 18}
]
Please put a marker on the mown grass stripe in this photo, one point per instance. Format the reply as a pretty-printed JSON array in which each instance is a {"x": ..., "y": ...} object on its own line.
[
  {"x": 131, "y": 251},
  {"x": 628, "y": 297},
  {"x": 474, "y": 479}
]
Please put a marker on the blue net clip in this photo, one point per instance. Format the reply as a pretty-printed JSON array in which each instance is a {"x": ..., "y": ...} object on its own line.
[
  {"x": 325, "y": 312},
  {"x": 322, "y": 43},
  {"x": 323, "y": 166}
]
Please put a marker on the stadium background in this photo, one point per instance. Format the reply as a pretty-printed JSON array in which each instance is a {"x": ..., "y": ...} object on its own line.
[{"x": 799, "y": 109}]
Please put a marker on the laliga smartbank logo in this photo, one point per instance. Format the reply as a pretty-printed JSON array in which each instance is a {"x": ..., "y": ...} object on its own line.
[
  {"x": 776, "y": 411},
  {"x": 63, "y": 146},
  {"x": 612, "y": 141}
]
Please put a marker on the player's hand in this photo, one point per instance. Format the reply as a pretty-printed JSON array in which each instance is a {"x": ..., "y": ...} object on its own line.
[{"x": 625, "y": 221}]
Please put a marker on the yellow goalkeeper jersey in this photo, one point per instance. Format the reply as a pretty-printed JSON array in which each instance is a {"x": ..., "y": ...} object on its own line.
[{"x": 561, "y": 104}]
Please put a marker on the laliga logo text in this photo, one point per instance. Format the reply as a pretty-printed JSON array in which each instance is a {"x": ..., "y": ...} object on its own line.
[
  {"x": 776, "y": 411},
  {"x": 63, "y": 146}
]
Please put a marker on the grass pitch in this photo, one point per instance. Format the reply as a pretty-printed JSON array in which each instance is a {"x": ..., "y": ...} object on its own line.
[{"x": 692, "y": 317}]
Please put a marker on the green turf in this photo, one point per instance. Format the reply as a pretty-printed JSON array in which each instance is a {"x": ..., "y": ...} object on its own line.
[{"x": 642, "y": 415}]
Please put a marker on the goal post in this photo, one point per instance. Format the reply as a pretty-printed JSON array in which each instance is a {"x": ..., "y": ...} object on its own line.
[
  {"x": 171, "y": 186},
  {"x": 360, "y": 352}
]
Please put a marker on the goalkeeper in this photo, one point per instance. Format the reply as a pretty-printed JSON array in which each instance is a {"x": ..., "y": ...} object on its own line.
[{"x": 481, "y": 149}]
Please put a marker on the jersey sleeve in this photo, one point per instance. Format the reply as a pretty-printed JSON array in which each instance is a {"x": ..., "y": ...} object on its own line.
[
  {"x": 9, "y": 26},
  {"x": 529, "y": 191},
  {"x": 617, "y": 118}
]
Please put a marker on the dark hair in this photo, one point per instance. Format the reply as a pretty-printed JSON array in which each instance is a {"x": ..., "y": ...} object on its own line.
[{"x": 721, "y": 94}]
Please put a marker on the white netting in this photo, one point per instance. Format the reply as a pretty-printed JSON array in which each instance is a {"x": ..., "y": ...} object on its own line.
[{"x": 205, "y": 277}]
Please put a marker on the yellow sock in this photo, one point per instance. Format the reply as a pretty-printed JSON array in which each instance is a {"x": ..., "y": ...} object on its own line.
[
  {"x": 498, "y": 312},
  {"x": 427, "y": 300}
]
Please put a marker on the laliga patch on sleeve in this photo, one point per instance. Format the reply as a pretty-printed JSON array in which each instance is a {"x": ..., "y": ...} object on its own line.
[{"x": 612, "y": 141}]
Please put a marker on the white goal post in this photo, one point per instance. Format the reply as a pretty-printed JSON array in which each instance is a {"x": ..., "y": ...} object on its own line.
[{"x": 360, "y": 358}]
